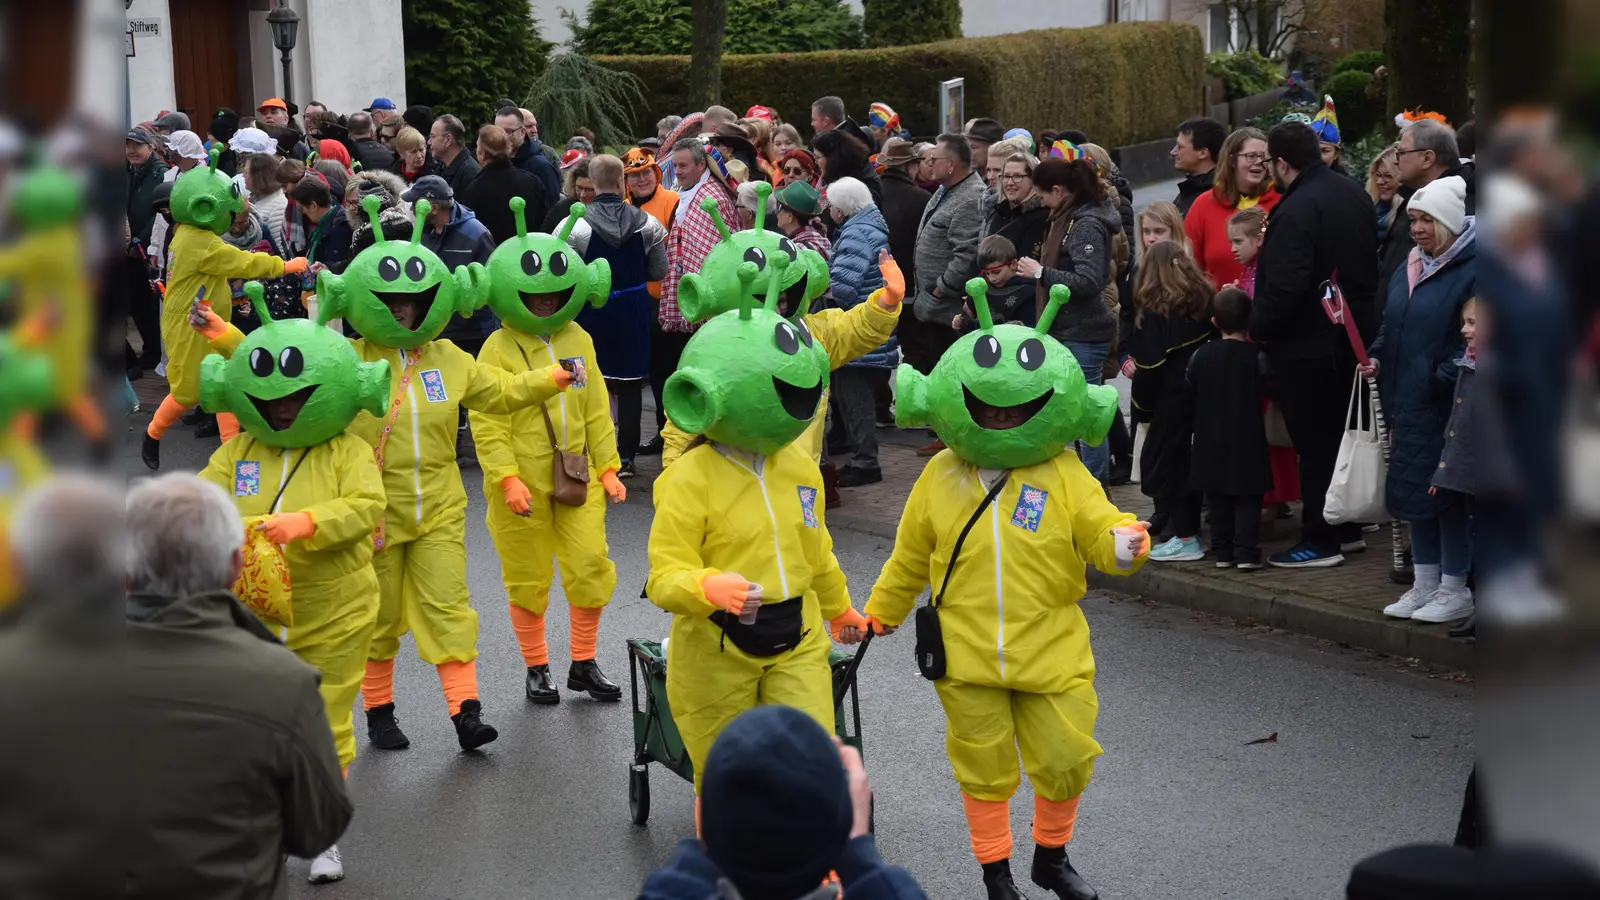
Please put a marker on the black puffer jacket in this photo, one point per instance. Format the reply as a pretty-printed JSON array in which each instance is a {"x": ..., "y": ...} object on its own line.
[{"x": 1082, "y": 266}]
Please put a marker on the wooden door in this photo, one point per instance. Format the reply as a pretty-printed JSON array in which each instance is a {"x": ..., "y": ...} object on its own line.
[
  {"x": 207, "y": 40},
  {"x": 40, "y": 71}
]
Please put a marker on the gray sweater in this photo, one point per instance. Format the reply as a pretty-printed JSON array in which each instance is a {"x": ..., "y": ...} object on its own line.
[
  {"x": 1082, "y": 267},
  {"x": 947, "y": 249}
]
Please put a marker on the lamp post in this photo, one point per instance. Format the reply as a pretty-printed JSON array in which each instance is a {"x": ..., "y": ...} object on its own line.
[{"x": 285, "y": 26}]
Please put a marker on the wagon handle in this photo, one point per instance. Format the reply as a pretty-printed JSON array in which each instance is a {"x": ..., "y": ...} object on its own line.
[{"x": 850, "y": 673}]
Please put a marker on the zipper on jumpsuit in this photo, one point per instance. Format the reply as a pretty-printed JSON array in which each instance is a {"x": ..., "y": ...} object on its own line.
[
  {"x": 561, "y": 397},
  {"x": 283, "y": 477},
  {"x": 416, "y": 434},
  {"x": 783, "y": 577},
  {"x": 999, "y": 587}
]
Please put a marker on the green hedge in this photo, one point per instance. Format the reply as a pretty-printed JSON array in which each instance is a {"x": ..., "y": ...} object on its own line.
[
  {"x": 895, "y": 23},
  {"x": 1120, "y": 84},
  {"x": 1365, "y": 61},
  {"x": 1358, "y": 115},
  {"x": 1242, "y": 74}
]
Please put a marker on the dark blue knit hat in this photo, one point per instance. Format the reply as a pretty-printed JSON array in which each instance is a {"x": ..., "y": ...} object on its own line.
[{"x": 775, "y": 809}]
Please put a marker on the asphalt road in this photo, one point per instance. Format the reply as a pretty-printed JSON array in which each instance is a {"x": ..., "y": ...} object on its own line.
[{"x": 1368, "y": 755}]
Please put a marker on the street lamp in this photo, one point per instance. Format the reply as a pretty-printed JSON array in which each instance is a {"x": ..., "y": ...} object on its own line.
[{"x": 285, "y": 26}]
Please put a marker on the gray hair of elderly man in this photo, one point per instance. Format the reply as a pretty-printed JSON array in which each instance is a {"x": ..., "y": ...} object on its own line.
[
  {"x": 185, "y": 537},
  {"x": 67, "y": 540}
]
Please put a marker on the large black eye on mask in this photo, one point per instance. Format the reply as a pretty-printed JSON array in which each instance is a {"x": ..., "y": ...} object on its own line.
[
  {"x": 788, "y": 341},
  {"x": 755, "y": 255},
  {"x": 291, "y": 362},
  {"x": 1030, "y": 355},
  {"x": 261, "y": 362},
  {"x": 531, "y": 263},
  {"x": 787, "y": 246},
  {"x": 558, "y": 264},
  {"x": 416, "y": 268},
  {"x": 389, "y": 268},
  {"x": 986, "y": 352}
]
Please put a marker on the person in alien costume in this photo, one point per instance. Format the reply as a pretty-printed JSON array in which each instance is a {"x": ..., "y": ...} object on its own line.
[
  {"x": 843, "y": 335},
  {"x": 739, "y": 529},
  {"x": 399, "y": 295},
  {"x": 47, "y": 265},
  {"x": 1008, "y": 401},
  {"x": 311, "y": 486},
  {"x": 27, "y": 387},
  {"x": 537, "y": 284},
  {"x": 204, "y": 202}
]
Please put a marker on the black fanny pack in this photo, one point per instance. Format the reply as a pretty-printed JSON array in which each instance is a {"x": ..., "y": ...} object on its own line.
[
  {"x": 777, "y": 629},
  {"x": 931, "y": 660}
]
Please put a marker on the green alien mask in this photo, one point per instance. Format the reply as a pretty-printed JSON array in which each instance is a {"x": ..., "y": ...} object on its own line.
[
  {"x": 47, "y": 197},
  {"x": 206, "y": 198},
  {"x": 27, "y": 381},
  {"x": 1006, "y": 396},
  {"x": 716, "y": 287},
  {"x": 292, "y": 383},
  {"x": 537, "y": 283},
  {"x": 749, "y": 378},
  {"x": 399, "y": 294}
]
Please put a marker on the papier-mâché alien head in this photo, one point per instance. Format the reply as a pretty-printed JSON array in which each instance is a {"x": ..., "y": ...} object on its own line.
[
  {"x": 27, "y": 380},
  {"x": 399, "y": 294},
  {"x": 749, "y": 378},
  {"x": 47, "y": 197},
  {"x": 206, "y": 198},
  {"x": 716, "y": 287},
  {"x": 537, "y": 283},
  {"x": 1006, "y": 396},
  {"x": 292, "y": 383}
]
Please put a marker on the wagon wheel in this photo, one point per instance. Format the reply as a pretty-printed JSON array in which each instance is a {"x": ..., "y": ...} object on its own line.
[{"x": 639, "y": 793}]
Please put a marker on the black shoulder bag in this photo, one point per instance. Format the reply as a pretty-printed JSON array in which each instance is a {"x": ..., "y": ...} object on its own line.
[{"x": 931, "y": 660}]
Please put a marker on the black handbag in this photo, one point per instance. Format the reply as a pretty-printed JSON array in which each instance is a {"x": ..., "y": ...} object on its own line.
[
  {"x": 778, "y": 629},
  {"x": 931, "y": 660}
]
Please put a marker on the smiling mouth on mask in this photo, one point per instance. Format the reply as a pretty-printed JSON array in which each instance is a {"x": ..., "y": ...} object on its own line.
[
  {"x": 545, "y": 305},
  {"x": 1000, "y": 418},
  {"x": 422, "y": 303}
]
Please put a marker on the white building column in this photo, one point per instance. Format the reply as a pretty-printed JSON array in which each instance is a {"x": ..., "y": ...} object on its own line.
[
  {"x": 355, "y": 51},
  {"x": 151, "y": 84}
]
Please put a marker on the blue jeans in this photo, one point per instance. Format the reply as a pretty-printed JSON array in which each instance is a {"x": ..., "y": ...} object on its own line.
[
  {"x": 1090, "y": 357},
  {"x": 1444, "y": 541}
]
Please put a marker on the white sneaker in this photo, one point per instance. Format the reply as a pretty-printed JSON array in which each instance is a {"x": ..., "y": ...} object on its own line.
[
  {"x": 1519, "y": 599},
  {"x": 1448, "y": 604},
  {"x": 327, "y": 867},
  {"x": 1408, "y": 604}
]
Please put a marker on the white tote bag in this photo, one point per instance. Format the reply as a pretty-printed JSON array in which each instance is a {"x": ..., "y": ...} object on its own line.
[{"x": 1356, "y": 492}]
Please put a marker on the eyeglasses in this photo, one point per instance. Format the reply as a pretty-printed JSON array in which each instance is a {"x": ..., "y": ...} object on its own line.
[
  {"x": 1014, "y": 176},
  {"x": 1404, "y": 152},
  {"x": 1254, "y": 157}
]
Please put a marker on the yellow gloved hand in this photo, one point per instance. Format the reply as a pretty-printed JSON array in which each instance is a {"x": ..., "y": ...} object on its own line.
[
  {"x": 894, "y": 281},
  {"x": 296, "y": 266},
  {"x": 285, "y": 527},
  {"x": 849, "y": 627},
  {"x": 613, "y": 486},
  {"x": 206, "y": 323},
  {"x": 726, "y": 591},
  {"x": 562, "y": 377},
  {"x": 518, "y": 497}
]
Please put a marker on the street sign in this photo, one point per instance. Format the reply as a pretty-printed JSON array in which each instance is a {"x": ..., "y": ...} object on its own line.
[
  {"x": 952, "y": 105},
  {"x": 127, "y": 45}
]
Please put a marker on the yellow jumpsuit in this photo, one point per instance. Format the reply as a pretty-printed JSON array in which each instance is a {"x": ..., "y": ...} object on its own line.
[
  {"x": 21, "y": 467},
  {"x": 845, "y": 335},
  {"x": 518, "y": 444},
  {"x": 334, "y": 590},
  {"x": 726, "y": 510},
  {"x": 1020, "y": 672},
  {"x": 48, "y": 266},
  {"x": 201, "y": 259}
]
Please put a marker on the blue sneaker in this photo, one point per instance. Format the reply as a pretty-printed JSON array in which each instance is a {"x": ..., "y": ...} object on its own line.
[
  {"x": 1306, "y": 556},
  {"x": 1179, "y": 550}
]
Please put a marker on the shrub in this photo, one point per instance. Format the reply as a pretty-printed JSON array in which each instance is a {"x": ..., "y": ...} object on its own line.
[
  {"x": 655, "y": 27},
  {"x": 461, "y": 55},
  {"x": 1360, "y": 61},
  {"x": 1121, "y": 83},
  {"x": 894, "y": 23},
  {"x": 573, "y": 91},
  {"x": 1358, "y": 115},
  {"x": 1274, "y": 117},
  {"x": 1242, "y": 74}
]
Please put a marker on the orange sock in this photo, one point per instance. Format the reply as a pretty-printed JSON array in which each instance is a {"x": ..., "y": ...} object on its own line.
[
  {"x": 227, "y": 426},
  {"x": 989, "y": 824},
  {"x": 25, "y": 427},
  {"x": 1053, "y": 820},
  {"x": 585, "y": 632},
  {"x": 167, "y": 413},
  {"x": 697, "y": 816},
  {"x": 529, "y": 627},
  {"x": 86, "y": 415},
  {"x": 345, "y": 771},
  {"x": 460, "y": 682},
  {"x": 377, "y": 685}
]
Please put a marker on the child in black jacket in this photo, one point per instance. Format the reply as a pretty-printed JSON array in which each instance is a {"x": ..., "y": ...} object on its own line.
[{"x": 1011, "y": 298}]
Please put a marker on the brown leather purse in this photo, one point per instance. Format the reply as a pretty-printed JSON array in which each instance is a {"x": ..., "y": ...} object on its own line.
[{"x": 570, "y": 486}]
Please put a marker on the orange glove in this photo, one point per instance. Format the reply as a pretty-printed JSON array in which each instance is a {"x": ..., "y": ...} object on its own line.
[
  {"x": 614, "y": 488},
  {"x": 37, "y": 328},
  {"x": 296, "y": 266},
  {"x": 726, "y": 591},
  {"x": 877, "y": 627},
  {"x": 518, "y": 497},
  {"x": 894, "y": 282},
  {"x": 208, "y": 324},
  {"x": 285, "y": 527},
  {"x": 848, "y": 628},
  {"x": 561, "y": 377}
]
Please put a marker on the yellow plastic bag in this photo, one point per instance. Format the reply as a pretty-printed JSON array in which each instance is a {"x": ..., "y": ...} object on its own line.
[{"x": 263, "y": 586}]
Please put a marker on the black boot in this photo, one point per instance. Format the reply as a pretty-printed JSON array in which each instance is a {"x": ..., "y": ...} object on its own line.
[
  {"x": 150, "y": 452},
  {"x": 997, "y": 881},
  {"x": 383, "y": 729},
  {"x": 1121, "y": 471},
  {"x": 541, "y": 689},
  {"x": 1053, "y": 872},
  {"x": 1466, "y": 628},
  {"x": 471, "y": 731},
  {"x": 207, "y": 428},
  {"x": 585, "y": 675}
]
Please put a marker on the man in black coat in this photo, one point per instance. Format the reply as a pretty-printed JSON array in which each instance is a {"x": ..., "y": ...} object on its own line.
[
  {"x": 490, "y": 194},
  {"x": 1321, "y": 226},
  {"x": 525, "y": 153},
  {"x": 1428, "y": 152},
  {"x": 1195, "y": 154},
  {"x": 452, "y": 161},
  {"x": 903, "y": 201},
  {"x": 373, "y": 156}
]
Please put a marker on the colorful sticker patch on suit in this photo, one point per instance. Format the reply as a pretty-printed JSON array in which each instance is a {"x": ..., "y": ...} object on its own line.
[
  {"x": 433, "y": 385},
  {"x": 8, "y": 480},
  {"x": 246, "y": 478},
  {"x": 808, "y": 505},
  {"x": 1030, "y": 508},
  {"x": 580, "y": 375}
]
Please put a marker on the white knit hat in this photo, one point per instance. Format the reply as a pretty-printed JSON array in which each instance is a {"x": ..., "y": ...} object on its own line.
[{"x": 1445, "y": 199}]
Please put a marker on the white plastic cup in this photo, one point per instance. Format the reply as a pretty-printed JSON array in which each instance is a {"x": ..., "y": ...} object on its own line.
[
  {"x": 1126, "y": 536},
  {"x": 752, "y": 605}
]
